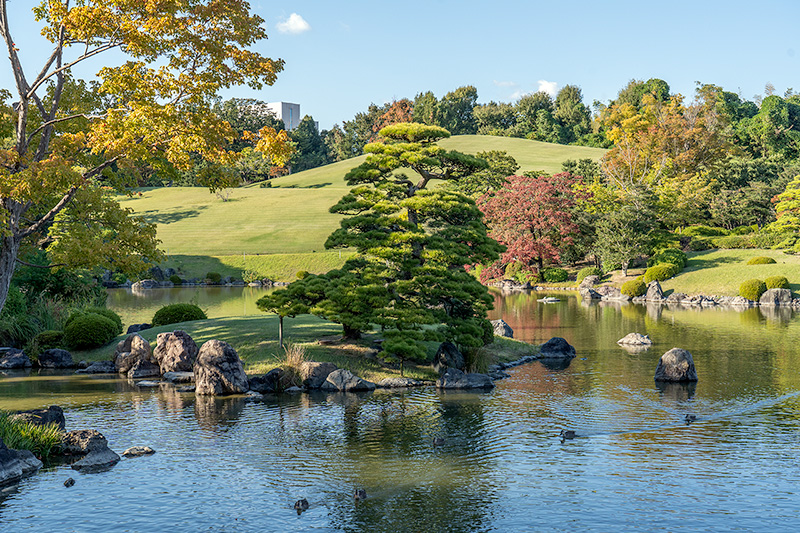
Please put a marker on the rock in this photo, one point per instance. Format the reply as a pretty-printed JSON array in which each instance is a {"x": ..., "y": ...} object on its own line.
[
  {"x": 99, "y": 367},
  {"x": 448, "y": 356},
  {"x": 12, "y": 358},
  {"x": 69, "y": 482},
  {"x": 741, "y": 301},
  {"x": 399, "y": 383},
  {"x": 52, "y": 415},
  {"x": 143, "y": 369},
  {"x": 138, "y": 451},
  {"x": 190, "y": 388},
  {"x": 16, "y": 464},
  {"x": 135, "y": 328},
  {"x": 676, "y": 298},
  {"x": 56, "y": 358},
  {"x": 453, "y": 378},
  {"x": 145, "y": 284},
  {"x": 557, "y": 348},
  {"x": 589, "y": 294},
  {"x": 345, "y": 381},
  {"x": 218, "y": 370},
  {"x": 156, "y": 273},
  {"x": 589, "y": 281},
  {"x": 82, "y": 441},
  {"x": 148, "y": 384},
  {"x": 502, "y": 329},
  {"x": 179, "y": 377},
  {"x": 314, "y": 374},
  {"x": 676, "y": 365},
  {"x": 776, "y": 297},
  {"x": 175, "y": 351},
  {"x": 97, "y": 460},
  {"x": 133, "y": 348},
  {"x": 169, "y": 272},
  {"x": 269, "y": 382},
  {"x": 654, "y": 292},
  {"x": 635, "y": 339}
]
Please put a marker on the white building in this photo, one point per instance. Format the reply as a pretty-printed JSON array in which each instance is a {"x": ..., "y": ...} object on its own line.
[{"x": 287, "y": 112}]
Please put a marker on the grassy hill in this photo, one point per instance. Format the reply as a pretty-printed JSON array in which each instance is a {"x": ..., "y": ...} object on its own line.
[{"x": 200, "y": 232}]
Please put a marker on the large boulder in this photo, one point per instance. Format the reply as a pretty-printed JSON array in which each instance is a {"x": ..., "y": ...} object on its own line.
[
  {"x": 452, "y": 378},
  {"x": 502, "y": 329},
  {"x": 269, "y": 382},
  {"x": 16, "y": 464},
  {"x": 218, "y": 370},
  {"x": 11, "y": 358},
  {"x": 175, "y": 351},
  {"x": 82, "y": 441},
  {"x": 776, "y": 297},
  {"x": 635, "y": 339},
  {"x": 145, "y": 284},
  {"x": 589, "y": 294},
  {"x": 134, "y": 348},
  {"x": 654, "y": 292},
  {"x": 557, "y": 348},
  {"x": 589, "y": 281},
  {"x": 448, "y": 356},
  {"x": 676, "y": 365},
  {"x": 56, "y": 358},
  {"x": 143, "y": 368},
  {"x": 314, "y": 374},
  {"x": 99, "y": 367},
  {"x": 97, "y": 460},
  {"x": 345, "y": 381},
  {"x": 41, "y": 417}
]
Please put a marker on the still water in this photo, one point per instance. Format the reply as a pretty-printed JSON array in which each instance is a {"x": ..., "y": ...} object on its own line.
[{"x": 237, "y": 465}]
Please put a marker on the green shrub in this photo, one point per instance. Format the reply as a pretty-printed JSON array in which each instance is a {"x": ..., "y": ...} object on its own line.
[
  {"x": 670, "y": 255},
  {"x": 176, "y": 279},
  {"x": 302, "y": 274},
  {"x": 45, "y": 340},
  {"x": 751, "y": 240},
  {"x": 761, "y": 260},
  {"x": 660, "y": 272},
  {"x": 744, "y": 230},
  {"x": 752, "y": 289},
  {"x": 174, "y": 313},
  {"x": 776, "y": 282},
  {"x": 588, "y": 271},
  {"x": 512, "y": 269},
  {"x": 699, "y": 244},
  {"x": 555, "y": 275},
  {"x": 41, "y": 440},
  {"x": 89, "y": 330},
  {"x": 213, "y": 277},
  {"x": 634, "y": 287},
  {"x": 103, "y": 311},
  {"x": 704, "y": 231}
]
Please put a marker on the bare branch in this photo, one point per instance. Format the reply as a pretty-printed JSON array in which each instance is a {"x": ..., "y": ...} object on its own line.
[
  {"x": 86, "y": 55},
  {"x": 63, "y": 119},
  {"x": 21, "y": 262}
]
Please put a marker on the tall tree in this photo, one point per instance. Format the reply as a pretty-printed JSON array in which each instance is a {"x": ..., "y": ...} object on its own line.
[
  {"x": 623, "y": 234},
  {"x": 456, "y": 111},
  {"x": 157, "y": 104},
  {"x": 310, "y": 149}
]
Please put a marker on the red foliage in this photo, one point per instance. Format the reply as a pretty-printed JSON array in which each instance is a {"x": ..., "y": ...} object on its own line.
[
  {"x": 533, "y": 218},
  {"x": 399, "y": 111}
]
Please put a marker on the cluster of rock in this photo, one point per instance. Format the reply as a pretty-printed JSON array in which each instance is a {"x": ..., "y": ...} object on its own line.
[
  {"x": 87, "y": 449},
  {"x": 13, "y": 358}
]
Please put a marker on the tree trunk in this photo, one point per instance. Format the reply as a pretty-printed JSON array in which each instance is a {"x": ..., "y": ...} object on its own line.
[
  {"x": 351, "y": 333},
  {"x": 625, "y": 268},
  {"x": 8, "y": 259},
  {"x": 280, "y": 331}
]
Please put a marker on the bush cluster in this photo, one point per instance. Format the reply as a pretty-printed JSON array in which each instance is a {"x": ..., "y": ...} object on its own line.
[
  {"x": 761, "y": 260},
  {"x": 43, "y": 341},
  {"x": 174, "y": 313},
  {"x": 89, "y": 330},
  {"x": 633, "y": 288},
  {"x": 176, "y": 279},
  {"x": 588, "y": 271},
  {"x": 704, "y": 231},
  {"x": 776, "y": 282},
  {"x": 555, "y": 275},
  {"x": 671, "y": 256},
  {"x": 102, "y": 311},
  {"x": 752, "y": 289},
  {"x": 302, "y": 274},
  {"x": 750, "y": 240},
  {"x": 213, "y": 277},
  {"x": 660, "y": 272}
]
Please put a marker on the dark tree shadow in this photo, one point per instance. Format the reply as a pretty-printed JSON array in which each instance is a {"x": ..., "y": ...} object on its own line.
[{"x": 160, "y": 217}]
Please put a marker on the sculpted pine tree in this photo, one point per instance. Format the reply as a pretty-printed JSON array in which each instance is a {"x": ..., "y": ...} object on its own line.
[{"x": 64, "y": 142}]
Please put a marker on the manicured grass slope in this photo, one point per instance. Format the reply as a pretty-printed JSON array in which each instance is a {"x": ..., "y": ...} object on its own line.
[{"x": 292, "y": 216}]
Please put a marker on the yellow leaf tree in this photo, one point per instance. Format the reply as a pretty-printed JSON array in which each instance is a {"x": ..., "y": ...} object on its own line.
[{"x": 65, "y": 143}]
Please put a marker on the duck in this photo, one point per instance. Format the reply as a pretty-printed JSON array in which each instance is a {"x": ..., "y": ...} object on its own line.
[
  {"x": 69, "y": 482},
  {"x": 690, "y": 418},
  {"x": 438, "y": 441},
  {"x": 359, "y": 494},
  {"x": 301, "y": 505},
  {"x": 567, "y": 434}
]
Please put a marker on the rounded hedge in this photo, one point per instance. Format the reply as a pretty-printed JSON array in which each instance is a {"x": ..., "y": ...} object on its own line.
[
  {"x": 752, "y": 289},
  {"x": 44, "y": 340},
  {"x": 176, "y": 279},
  {"x": 89, "y": 330},
  {"x": 214, "y": 277},
  {"x": 174, "y": 313},
  {"x": 302, "y": 274},
  {"x": 102, "y": 311},
  {"x": 660, "y": 272},
  {"x": 776, "y": 282},
  {"x": 761, "y": 260},
  {"x": 670, "y": 255},
  {"x": 555, "y": 275},
  {"x": 634, "y": 287},
  {"x": 588, "y": 271}
]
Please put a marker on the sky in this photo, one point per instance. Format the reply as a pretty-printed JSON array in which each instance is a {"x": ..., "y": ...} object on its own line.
[{"x": 342, "y": 56}]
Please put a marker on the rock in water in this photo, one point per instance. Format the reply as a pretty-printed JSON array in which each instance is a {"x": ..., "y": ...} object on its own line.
[
  {"x": 654, "y": 292},
  {"x": 776, "y": 297},
  {"x": 11, "y": 358},
  {"x": 55, "y": 358},
  {"x": 676, "y": 365},
  {"x": 557, "y": 348},
  {"x": 635, "y": 339},
  {"x": 175, "y": 351},
  {"x": 218, "y": 370},
  {"x": 269, "y": 382},
  {"x": 345, "y": 381},
  {"x": 448, "y": 356},
  {"x": 502, "y": 329},
  {"x": 69, "y": 482},
  {"x": 134, "y": 348},
  {"x": 41, "y": 417},
  {"x": 454, "y": 378},
  {"x": 138, "y": 451},
  {"x": 93, "y": 446},
  {"x": 314, "y": 374}
]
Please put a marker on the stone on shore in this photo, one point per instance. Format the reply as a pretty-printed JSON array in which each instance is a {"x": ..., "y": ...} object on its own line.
[
  {"x": 269, "y": 382},
  {"x": 502, "y": 329},
  {"x": 589, "y": 281},
  {"x": 92, "y": 445},
  {"x": 589, "y": 294},
  {"x": 218, "y": 370},
  {"x": 342, "y": 380},
  {"x": 175, "y": 351},
  {"x": 12, "y": 358},
  {"x": 448, "y": 356},
  {"x": 676, "y": 365},
  {"x": 16, "y": 464},
  {"x": 136, "y": 328},
  {"x": 399, "y": 383},
  {"x": 134, "y": 348},
  {"x": 56, "y": 358},
  {"x": 314, "y": 373},
  {"x": 635, "y": 339},
  {"x": 453, "y": 378},
  {"x": 99, "y": 367},
  {"x": 557, "y": 348},
  {"x": 41, "y": 417},
  {"x": 654, "y": 292},
  {"x": 144, "y": 369},
  {"x": 776, "y": 297}
]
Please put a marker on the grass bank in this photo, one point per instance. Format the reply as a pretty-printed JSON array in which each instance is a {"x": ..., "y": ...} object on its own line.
[
  {"x": 277, "y": 267},
  {"x": 255, "y": 339}
]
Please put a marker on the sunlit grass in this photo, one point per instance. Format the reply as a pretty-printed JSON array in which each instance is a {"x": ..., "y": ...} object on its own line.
[{"x": 42, "y": 440}]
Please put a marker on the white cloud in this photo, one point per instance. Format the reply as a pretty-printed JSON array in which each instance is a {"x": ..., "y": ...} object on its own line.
[
  {"x": 549, "y": 87},
  {"x": 294, "y": 24}
]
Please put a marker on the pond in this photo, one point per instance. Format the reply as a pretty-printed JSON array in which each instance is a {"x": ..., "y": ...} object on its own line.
[{"x": 238, "y": 465}]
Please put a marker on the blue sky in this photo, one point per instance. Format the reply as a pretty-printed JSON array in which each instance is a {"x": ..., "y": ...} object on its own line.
[{"x": 340, "y": 56}]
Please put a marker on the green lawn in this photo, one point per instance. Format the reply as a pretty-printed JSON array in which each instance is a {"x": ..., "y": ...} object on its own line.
[{"x": 720, "y": 272}]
